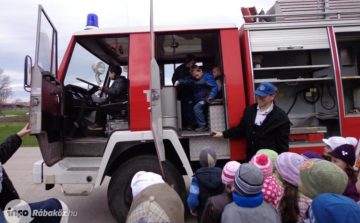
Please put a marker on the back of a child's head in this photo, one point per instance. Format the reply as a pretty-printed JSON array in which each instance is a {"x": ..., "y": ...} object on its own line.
[
  {"x": 321, "y": 176},
  {"x": 207, "y": 157},
  {"x": 248, "y": 180},
  {"x": 142, "y": 180},
  {"x": 311, "y": 155},
  {"x": 333, "y": 208},
  {"x": 228, "y": 173},
  {"x": 288, "y": 166},
  {"x": 271, "y": 154},
  {"x": 264, "y": 163}
]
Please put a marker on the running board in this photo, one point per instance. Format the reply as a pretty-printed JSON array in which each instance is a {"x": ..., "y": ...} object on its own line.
[{"x": 70, "y": 170}]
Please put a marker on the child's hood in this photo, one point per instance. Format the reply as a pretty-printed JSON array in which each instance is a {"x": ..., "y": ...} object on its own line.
[{"x": 210, "y": 177}]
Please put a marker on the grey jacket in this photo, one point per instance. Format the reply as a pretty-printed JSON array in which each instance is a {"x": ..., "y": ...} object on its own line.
[{"x": 265, "y": 213}]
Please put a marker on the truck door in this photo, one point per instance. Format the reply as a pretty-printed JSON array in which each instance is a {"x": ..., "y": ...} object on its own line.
[{"x": 46, "y": 92}]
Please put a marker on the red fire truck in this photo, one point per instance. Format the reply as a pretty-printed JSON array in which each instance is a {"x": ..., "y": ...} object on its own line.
[{"x": 309, "y": 49}]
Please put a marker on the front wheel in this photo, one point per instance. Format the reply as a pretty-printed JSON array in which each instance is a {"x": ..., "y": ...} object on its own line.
[{"x": 119, "y": 190}]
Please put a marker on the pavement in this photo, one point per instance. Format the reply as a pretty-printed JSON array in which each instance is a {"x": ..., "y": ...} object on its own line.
[{"x": 92, "y": 208}]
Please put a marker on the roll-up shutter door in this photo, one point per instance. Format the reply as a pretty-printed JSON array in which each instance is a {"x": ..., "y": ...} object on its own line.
[
  {"x": 289, "y": 39},
  {"x": 345, "y": 29}
]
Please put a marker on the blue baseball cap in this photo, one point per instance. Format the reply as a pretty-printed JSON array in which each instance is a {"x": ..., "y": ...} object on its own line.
[{"x": 265, "y": 89}]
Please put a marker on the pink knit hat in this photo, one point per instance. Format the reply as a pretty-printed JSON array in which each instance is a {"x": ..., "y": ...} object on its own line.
[
  {"x": 288, "y": 166},
  {"x": 228, "y": 173},
  {"x": 264, "y": 163}
]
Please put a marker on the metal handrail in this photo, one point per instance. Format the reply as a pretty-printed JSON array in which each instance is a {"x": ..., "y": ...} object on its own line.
[{"x": 338, "y": 13}]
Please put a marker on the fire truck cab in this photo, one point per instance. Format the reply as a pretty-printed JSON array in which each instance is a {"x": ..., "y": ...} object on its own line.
[
  {"x": 64, "y": 103},
  {"x": 313, "y": 62}
]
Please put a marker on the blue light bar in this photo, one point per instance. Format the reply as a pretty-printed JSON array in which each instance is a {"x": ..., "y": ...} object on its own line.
[{"x": 92, "y": 21}]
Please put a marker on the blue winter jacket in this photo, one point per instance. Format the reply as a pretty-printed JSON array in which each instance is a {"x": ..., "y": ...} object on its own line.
[{"x": 204, "y": 88}]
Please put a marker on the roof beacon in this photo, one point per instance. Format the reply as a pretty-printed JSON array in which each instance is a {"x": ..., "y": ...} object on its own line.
[{"x": 92, "y": 21}]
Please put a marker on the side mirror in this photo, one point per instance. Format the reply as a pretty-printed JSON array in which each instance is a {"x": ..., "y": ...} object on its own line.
[
  {"x": 27, "y": 73},
  {"x": 98, "y": 68}
]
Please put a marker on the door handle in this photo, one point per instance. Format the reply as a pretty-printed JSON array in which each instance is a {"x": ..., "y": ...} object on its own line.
[{"x": 290, "y": 47}]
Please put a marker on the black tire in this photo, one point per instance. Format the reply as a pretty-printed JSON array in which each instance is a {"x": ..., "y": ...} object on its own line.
[{"x": 119, "y": 191}]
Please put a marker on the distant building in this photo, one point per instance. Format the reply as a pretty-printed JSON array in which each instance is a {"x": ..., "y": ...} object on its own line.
[{"x": 15, "y": 106}]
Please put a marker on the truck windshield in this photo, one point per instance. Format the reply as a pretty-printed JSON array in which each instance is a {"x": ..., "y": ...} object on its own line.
[
  {"x": 80, "y": 67},
  {"x": 87, "y": 50}
]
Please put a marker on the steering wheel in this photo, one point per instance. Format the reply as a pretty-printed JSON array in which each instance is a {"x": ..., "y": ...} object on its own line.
[
  {"x": 94, "y": 85},
  {"x": 94, "y": 88}
]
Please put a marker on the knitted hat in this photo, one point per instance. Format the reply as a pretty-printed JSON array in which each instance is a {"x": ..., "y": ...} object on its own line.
[
  {"x": 142, "y": 180},
  {"x": 229, "y": 170},
  {"x": 207, "y": 157},
  {"x": 353, "y": 141},
  {"x": 311, "y": 155},
  {"x": 263, "y": 162},
  {"x": 288, "y": 166},
  {"x": 321, "y": 176},
  {"x": 346, "y": 153},
  {"x": 334, "y": 208},
  {"x": 248, "y": 180},
  {"x": 271, "y": 154},
  {"x": 335, "y": 141}
]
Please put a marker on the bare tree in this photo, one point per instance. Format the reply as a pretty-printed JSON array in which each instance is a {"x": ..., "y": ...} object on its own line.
[
  {"x": 17, "y": 101},
  {"x": 5, "y": 89}
]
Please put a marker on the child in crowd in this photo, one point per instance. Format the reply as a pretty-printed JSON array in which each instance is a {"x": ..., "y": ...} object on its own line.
[
  {"x": 154, "y": 200},
  {"x": 219, "y": 78},
  {"x": 272, "y": 155},
  {"x": 311, "y": 155},
  {"x": 335, "y": 141},
  {"x": 249, "y": 205},
  {"x": 344, "y": 157},
  {"x": 333, "y": 208},
  {"x": 320, "y": 176},
  {"x": 206, "y": 182},
  {"x": 293, "y": 205},
  {"x": 215, "y": 205},
  {"x": 272, "y": 190},
  {"x": 205, "y": 90}
]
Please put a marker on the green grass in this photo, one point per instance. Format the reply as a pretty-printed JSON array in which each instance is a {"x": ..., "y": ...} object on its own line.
[
  {"x": 8, "y": 128},
  {"x": 18, "y": 112}
]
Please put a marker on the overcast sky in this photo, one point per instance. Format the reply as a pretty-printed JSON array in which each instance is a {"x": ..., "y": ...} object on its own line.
[{"x": 18, "y": 19}]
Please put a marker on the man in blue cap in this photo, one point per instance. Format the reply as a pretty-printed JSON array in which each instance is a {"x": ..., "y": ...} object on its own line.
[{"x": 264, "y": 124}]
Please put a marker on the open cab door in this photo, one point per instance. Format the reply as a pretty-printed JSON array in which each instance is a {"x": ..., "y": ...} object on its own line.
[{"x": 46, "y": 92}]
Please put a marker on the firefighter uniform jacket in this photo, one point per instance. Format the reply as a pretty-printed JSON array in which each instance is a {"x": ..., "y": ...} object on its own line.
[{"x": 272, "y": 134}]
